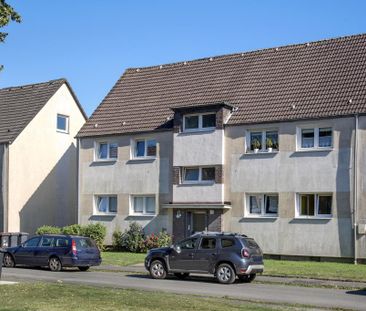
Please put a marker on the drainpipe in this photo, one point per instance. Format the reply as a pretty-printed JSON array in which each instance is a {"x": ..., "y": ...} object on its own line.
[{"x": 355, "y": 196}]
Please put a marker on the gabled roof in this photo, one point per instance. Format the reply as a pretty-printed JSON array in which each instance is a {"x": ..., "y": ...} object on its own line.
[
  {"x": 19, "y": 105},
  {"x": 304, "y": 81}
]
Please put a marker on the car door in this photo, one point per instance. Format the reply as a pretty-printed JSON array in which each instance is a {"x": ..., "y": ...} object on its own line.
[
  {"x": 42, "y": 252},
  {"x": 25, "y": 253},
  {"x": 182, "y": 255},
  {"x": 205, "y": 255}
]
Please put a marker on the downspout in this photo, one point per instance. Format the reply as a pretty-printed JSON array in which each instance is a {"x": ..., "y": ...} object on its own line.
[
  {"x": 78, "y": 178},
  {"x": 355, "y": 196}
]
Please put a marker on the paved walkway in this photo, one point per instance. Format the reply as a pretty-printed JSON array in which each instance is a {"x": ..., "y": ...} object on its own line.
[{"x": 139, "y": 268}]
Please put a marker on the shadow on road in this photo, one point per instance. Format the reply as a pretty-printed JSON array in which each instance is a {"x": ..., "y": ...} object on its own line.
[
  {"x": 361, "y": 292},
  {"x": 44, "y": 269},
  {"x": 201, "y": 279}
]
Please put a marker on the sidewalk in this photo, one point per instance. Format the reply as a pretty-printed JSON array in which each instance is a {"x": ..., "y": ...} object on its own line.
[{"x": 139, "y": 268}]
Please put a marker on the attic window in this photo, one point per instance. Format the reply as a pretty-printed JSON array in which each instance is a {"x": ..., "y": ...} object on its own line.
[
  {"x": 62, "y": 123},
  {"x": 199, "y": 122}
]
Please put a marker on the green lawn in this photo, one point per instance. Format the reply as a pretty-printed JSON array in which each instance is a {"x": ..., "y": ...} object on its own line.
[
  {"x": 307, "y": 269},
  {"x": 60, "y": 297}
]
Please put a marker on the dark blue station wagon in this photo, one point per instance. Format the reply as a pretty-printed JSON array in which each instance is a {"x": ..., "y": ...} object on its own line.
[{"x": 54, "y": 251}]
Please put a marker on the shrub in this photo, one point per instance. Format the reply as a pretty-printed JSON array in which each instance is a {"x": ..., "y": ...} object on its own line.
[
  {"x": 48, "y": 230},
  {"x": 73, "y": 230},
  {"x": 117, "y": 240},
  {"x": 132, "y": 240},
  {"x": 97, "y": 232}
]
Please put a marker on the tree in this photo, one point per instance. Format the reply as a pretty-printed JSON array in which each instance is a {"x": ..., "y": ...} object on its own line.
[{"x": 7, "y": 15}]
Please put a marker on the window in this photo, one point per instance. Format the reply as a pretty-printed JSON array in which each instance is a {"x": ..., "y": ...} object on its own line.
[
  {"x": 198, "y": 175},
  {"x": 208, "y": 243},
  {"x": 315, "y": 138},
  {"x": 106, "y": 204},
  {"x": 145, "y": 148},
  {"x": 225, "y": 243},
  {"x": 262, "y": 205},
  {"x": 199, "y": 122},
  {"x": 107, "y": 151},
  {"x": 143, "y": 205},
  {"x": 263, "y": 141},
  {"x": 47, "y": 242},
  {"x": 62, "y": 123},
  {"x": 61, "y": 242},
  {"x": 188, "y": 244},
  {"x": 314, "y": 205},
  {"x": 32, "y": 242}
]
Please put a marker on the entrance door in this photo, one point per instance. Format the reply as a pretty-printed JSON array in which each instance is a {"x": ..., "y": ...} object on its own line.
[{"x": 199, "y": 222}]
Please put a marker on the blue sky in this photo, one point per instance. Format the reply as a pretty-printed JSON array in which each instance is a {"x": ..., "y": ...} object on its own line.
[{"x": 92, "y": 42}]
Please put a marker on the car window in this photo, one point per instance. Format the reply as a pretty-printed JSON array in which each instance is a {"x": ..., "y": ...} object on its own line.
[
  {"x": 188, "y": 244},
  {"x": 47, "y": 241},
  {"x": 84, "y": 243},
  {"x": 208, "y": 243},
  {"x": 227, "y": 243},
  {"x": 61, "y": 242},
  {"x": 250, "y": 243},
  {"x": 32, "y": 242}
]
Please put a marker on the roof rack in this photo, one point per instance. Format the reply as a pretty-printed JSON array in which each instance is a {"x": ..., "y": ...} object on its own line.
[{"x": 222, "y": 233}]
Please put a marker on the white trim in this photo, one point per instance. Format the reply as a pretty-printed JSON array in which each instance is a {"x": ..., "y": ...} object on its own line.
[
  {"x": 263, "y": 214},
  {"x": 67, "y": 118},
  {"x": 199, "y": 181},
  {"x": 96, "y": 211},
  {"x": 97, "y": 143},
  {"x": 316, "y": 146},
  {"x": 247, "y": 141},
  {"x": 144, "y": 196},
  {"x": 316, "y": 205},
  {"x": 133, "y": 144},
  {"x": 200, "y": 127}
]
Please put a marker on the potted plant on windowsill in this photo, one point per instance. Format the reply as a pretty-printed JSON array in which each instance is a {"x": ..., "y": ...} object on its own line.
[
  {"x": 269, "y": 144},
  {"x": 256, "y": 145}
]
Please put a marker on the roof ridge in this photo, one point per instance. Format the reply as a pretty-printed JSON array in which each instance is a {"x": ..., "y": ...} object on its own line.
[
  {"x": 210, "y": 58},
  {"x": 32, "y": 84}
]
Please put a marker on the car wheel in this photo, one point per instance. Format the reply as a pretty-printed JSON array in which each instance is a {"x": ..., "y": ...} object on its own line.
[
  {"x": 54, "y": 264},
  {"x": 225, "y": 274},
  {"x": 157, "y": 270},
  {"x": 8, "y": 261},
  {"x": 247, "y": 278},
  {"x": 181, "y": 276},
  {"x": 83, "y": 268}
]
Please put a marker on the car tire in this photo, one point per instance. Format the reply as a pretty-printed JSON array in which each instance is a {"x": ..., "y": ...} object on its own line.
[
  {"x": 83, "y": 268},
  {"x": 247, "y": 278},
  {"x": 54, "y": 264},
  {"x": 181, "y": 276},
  {"x": 225, "y": 274},
  {"x": 8, "y": 261},
  {"x": 158, "y": 270}
]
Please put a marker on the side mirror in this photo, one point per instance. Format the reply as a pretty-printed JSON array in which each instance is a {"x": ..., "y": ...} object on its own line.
[{"x": 177, "y": 249}]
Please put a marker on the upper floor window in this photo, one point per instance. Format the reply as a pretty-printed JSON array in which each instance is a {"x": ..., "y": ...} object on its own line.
[
  {"x": 62, "y": 123},
  {"x": 262, "y": 141},
  {"x": 144, "y": 148},
  {"x": 106, "y": 204},
  {"x": 314, "y": 205},
  {"x": 313, "y": 138},
  {"x": 262, "y": 205},
  {"x": 106, "y": 151},
  {"x": 199, "y": 122},
  {"x": 192, "y": 175},
  {"x": 143, "y": 205}
]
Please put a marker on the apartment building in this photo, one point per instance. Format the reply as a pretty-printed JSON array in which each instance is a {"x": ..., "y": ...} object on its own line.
[
  {"x": 268, "y": 143},
  {"x": 38, "y": 155}
]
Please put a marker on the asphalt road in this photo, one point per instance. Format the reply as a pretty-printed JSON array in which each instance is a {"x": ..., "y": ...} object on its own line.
[{"x": 205, "y": 286}]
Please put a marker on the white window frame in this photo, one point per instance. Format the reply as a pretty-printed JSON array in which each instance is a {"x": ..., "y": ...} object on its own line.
[
  {"x": 96, "y": 150},
  {"x": 200, "y": 128},
  {"x": 263, "y": 142},
  {"x": 144, "y": 196},
  {"x": 67, "y": 118},
  {"x": 96, "y": 210},
  {"x": 134, "y": 148},
  {"x": 199, "y": 181},
  {"x": 263, "y": 206},
  {"x": 316, "y": 138},
  {"x": 316, "y": 205}
]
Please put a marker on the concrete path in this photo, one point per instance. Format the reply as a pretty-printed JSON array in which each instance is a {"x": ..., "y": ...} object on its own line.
[{"x": 205, "y": 286}]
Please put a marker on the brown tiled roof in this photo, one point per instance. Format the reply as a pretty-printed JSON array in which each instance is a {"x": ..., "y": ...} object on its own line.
[
  {"x": 304, "y": 81},
  {"x": 19, "y": 105}
]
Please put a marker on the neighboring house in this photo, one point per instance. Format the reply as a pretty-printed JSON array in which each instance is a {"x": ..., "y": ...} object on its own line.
[
  {"x": 269, "y": 143},
  {"x": 38, "y": 155}
]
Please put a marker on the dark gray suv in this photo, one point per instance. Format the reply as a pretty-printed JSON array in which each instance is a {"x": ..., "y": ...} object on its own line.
[{"x": 226, "y": 255}]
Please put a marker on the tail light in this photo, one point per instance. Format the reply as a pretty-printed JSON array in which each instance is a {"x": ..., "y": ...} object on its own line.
[
  {"x": 245, "y": 253},
  {"x": 73, "y": 248}
]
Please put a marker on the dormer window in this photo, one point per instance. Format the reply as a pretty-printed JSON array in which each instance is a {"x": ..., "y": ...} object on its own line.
[{"x": 199, "y": 122}]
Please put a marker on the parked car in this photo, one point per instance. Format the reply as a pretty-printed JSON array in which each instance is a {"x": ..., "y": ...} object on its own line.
[
  {"x": 225, "y": 255},
  {"x": 54, "y": 251}
]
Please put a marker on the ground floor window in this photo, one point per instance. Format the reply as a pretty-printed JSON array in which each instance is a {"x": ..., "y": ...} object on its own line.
[
  {"x": 106, "y": 204},
  {"x": 143, "y": 205},
  {"x": 262, "y": 204},
  {"x": 314, "y": 205}
]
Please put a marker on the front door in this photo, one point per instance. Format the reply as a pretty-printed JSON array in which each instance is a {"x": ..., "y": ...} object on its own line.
[{"x": 199, "y": 222}]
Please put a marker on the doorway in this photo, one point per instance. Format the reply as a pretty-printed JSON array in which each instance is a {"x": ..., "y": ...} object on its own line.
[{"x": 199, "y": 222}]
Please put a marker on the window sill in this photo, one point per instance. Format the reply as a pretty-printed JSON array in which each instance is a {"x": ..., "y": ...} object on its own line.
[
  {"x": 142, "y": 215},
  {"x": 261, "y": 152},
  {"x": 104, "y": 214},
  {"x": 304, "y": 150},
  {"x": 62, "y": 132},
  {"x": 313, "y": 218},
  {"x": 209, "y": 183},
  {"x": 206, "y": 130},
  {"x": 260, "y": 217}
]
